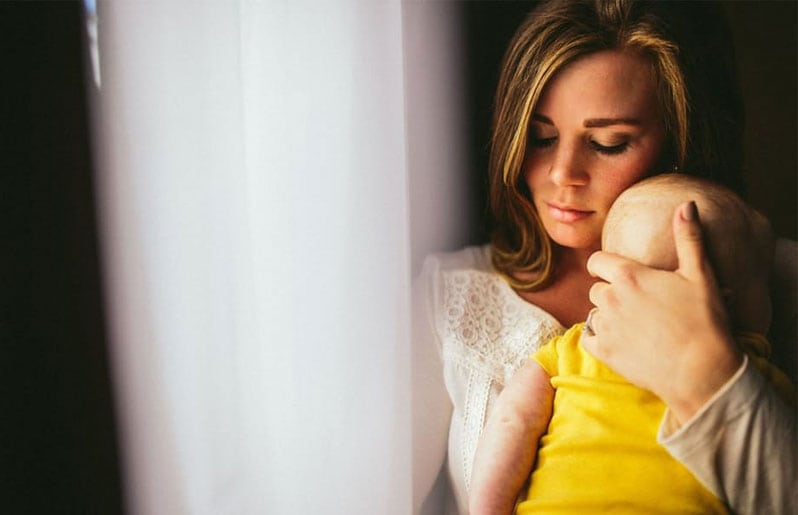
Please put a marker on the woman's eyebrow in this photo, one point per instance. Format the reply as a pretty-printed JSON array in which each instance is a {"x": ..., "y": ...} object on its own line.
[
  {"x": 591, "y": 122},
  {"x": 606, "y": 122}
]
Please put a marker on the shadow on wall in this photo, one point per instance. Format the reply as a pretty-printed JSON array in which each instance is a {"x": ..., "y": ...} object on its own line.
[
  {"x": 765, "y": 43},
  {"x": 58, "y": 431}
]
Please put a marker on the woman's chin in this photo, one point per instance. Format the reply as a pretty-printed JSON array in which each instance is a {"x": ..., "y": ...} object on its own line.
[{"x": 576, "y": 242}]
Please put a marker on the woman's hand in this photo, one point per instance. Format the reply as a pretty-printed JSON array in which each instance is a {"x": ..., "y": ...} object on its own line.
[{"x": 664, "y": 331}]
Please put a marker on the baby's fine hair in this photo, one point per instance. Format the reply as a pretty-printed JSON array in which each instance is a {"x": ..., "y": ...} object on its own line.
[{"x": 738, "y": 239}]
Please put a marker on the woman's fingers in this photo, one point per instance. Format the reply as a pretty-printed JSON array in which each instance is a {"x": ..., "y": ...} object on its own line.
[
  {"x": 611, "y": 267},
  {"x": 688, "y": 239},
  {"x": 598, "y": 292}
]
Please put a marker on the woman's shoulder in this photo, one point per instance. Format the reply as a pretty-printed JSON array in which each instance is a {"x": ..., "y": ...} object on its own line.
[
  {"x": 447, "y": 274},
  {"x": 480, "y": 321},
  {"x": 476, "y": 258},
  {"x": 467, "y": 278}
]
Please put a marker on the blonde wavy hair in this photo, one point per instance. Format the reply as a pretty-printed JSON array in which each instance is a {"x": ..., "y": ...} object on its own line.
[{"x": 555, "y": 34}]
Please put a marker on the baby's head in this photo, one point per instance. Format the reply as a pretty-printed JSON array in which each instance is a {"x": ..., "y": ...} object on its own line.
[{"x": 737, "y": 239}]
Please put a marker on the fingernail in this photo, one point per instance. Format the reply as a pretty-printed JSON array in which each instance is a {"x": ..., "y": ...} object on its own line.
[{"x": 689, "y": 212}]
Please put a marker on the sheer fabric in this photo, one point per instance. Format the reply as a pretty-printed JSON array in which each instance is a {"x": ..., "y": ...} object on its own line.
[{"x": 253, "y": 194}]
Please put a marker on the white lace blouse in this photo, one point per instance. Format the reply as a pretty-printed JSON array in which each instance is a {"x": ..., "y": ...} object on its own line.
[{"x": 482, "y": 331}]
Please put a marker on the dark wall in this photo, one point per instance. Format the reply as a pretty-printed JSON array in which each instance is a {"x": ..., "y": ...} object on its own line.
[
  {"x": 765, "y": 41},
  {"x": 765, "y": 44},
  {"x": 57, "y": 434}
]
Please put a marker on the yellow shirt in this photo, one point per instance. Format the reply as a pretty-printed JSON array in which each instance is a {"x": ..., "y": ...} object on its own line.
[{"x": 600, "y": 454}]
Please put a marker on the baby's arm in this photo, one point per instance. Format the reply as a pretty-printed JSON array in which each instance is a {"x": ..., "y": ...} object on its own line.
[{"x": 509, "y": 443}]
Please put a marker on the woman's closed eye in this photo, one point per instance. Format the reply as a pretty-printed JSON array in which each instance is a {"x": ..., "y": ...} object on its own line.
[
  {"x": 618, "y": 148},
  {"x": 541, "y": 142}
]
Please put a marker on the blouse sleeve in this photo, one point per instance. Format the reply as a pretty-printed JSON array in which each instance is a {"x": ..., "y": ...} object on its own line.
[
  {"x": 431, "y": 406},
  {"x": 742, "y": 445}
]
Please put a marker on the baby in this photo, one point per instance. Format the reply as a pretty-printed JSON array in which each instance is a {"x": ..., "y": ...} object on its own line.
[{"x": 592, "y": 435}]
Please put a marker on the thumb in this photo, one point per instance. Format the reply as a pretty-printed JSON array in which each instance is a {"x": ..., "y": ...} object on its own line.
[{"x": 689, "y": 242}]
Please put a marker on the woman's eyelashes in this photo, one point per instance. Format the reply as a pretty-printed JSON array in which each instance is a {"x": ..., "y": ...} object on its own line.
[
  {"x": 617, "y": 148},
  {"x": 612, "y": 149},
  {"x": 541, "y": 142}
]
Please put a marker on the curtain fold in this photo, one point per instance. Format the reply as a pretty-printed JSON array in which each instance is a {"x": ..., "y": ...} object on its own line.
[{"x": 254, "y": 207}]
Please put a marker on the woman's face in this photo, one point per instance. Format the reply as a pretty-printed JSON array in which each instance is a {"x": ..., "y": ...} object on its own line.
[{"x": 595, "y": 132}]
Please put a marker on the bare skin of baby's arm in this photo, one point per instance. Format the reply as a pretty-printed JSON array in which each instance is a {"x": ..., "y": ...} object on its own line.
[{"x": 509, "y": 443}]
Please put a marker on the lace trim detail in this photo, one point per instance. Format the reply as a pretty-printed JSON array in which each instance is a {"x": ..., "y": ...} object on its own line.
[
  {"x": 486, "y": 328},
  {"x": 488, "y": 332}
]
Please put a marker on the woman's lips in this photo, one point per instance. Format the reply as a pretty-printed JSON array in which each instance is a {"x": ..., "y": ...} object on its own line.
[{"x": 567, "y": 214}]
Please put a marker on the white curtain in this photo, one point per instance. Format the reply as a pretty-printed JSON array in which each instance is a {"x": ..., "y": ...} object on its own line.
[{"x": 254, "y": 176}]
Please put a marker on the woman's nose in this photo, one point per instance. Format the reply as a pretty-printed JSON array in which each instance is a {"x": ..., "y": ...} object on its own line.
[{"x": 568, "y": 167}]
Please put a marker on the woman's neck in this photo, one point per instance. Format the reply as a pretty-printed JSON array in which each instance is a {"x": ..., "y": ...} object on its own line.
[
  {"x": 566, "y": 297},
  {"x": 570, "y": 261}
]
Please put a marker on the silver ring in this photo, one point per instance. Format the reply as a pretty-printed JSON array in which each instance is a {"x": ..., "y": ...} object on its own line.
[{"x": 587, "y": 329}]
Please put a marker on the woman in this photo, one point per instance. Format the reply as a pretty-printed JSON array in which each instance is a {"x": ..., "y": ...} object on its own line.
[{"x": 594, "y": 96}]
